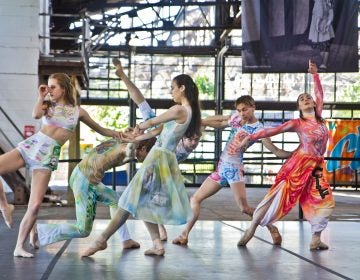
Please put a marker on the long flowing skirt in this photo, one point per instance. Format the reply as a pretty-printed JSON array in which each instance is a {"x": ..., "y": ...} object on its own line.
[
  {"x": 157, "y": 192},
  {"x": 295, "y": 183}
]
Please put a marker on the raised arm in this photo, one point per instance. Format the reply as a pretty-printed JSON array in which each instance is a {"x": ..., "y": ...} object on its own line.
[
  {"x": 318, "y": 91},
  {"x": 135, "y": 93},
  {"x": 86, "y": 119}
]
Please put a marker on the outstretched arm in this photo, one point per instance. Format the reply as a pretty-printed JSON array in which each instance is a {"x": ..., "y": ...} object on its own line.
[
  {"x": 177, "y": 113},
  {"x": 135, "y": 138},
  {"x": 135, "y": 93},
  {"x": 289, "y": 126},
  {"x": 217, "y": 121},
  {"x": 275, "y": 150},
  {"x": 318, "y": 90},
  {"x": 85, "y": 118}
]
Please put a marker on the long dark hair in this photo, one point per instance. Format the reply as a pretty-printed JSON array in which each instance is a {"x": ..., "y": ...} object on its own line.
[
  {"x": 192, "y": 95},
  {"x": 317, "y": 116}
]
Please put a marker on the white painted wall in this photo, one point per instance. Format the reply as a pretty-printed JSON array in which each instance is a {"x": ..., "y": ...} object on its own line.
[{"x": 19, "y": 56}]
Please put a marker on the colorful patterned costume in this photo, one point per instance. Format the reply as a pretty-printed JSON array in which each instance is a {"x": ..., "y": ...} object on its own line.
[
  {"x": 294, "y": 182},
  {"x": 157, "y": 193},
  {"x": 230, "y": 168},
  {"x": 40, "y": 151},
  {"x": 85, "y": 181},
  {"x": 88, "y": 190}
]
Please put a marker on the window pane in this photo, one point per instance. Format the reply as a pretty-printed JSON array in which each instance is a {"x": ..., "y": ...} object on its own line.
[
  {"x": 291, "y": 85},
  {"x": 347, "y": 87},
  {"x": 265, "y": 87}
]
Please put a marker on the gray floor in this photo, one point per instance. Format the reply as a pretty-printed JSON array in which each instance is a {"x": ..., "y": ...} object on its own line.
[{"x": 211, "y": 253}]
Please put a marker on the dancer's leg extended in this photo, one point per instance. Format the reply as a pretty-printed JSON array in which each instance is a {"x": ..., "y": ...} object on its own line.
[
  {"x": 85, "y": 196},
  {"x": 207, "y": 189},
  {"x": 9, "y": 162},
  {"x": 5, "y": 208},
  {"x": 239, "y": 191},
  {"x": 258, "y": 216},
  {"x": 124, "y": 234},
  {"x": 318, "y": 224},
  {"x": 317, "y": 211},
  {"x": 40, "y": 181},
  {"x": 110, "y": 198},
  {"x": 100, "y": 242}
]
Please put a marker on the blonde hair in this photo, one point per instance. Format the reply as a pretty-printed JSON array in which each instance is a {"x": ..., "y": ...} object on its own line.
[{"x": 64, "y": 82}]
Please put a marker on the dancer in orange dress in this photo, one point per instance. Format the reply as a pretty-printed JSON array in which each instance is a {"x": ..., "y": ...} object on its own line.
[{"x": 299, "y": 180}]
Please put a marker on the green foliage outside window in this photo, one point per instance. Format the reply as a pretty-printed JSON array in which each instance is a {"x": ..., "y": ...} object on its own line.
[{"x": 205, "y": 86}]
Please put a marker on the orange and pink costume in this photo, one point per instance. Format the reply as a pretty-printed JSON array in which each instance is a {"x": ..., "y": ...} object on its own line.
[{"x": 294, "y": 182}]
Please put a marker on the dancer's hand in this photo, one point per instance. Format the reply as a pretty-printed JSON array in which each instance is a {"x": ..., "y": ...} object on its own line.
[
  {"x": 43, "y": 91},
  {"x": 244, "y": 143},
  {"x": 312, "y": 67},
  {"x": 116, "y": 134},
  {"x": 129, "y": 130},
  {"x": 119, "y": 69},
  {"x": 128, "y": 137},
  {"x": 138, "y": 131}
]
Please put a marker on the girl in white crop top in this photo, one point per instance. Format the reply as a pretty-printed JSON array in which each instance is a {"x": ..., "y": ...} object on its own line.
[
  {"x": 157, "y": 194},
  {"x": 41, "y": 151}
]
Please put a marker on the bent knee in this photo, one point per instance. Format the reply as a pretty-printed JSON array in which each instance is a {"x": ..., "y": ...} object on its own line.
[
  {"x": 195, "y": 201},
  {"x": 83, "y": 232}
]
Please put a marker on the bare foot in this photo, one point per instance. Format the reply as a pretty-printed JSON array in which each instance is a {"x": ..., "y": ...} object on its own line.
[
  {"x": 180, "y": 240},
  {"x": 319, "y": 245},
  {"x": 130, "y": 244},
  {"x": 163, "y": 233},
  {"x": 275, "y": 234},
  {"x": 245, "y": 238},
  {"x": 20, "y": 252},
  {"x": 34, "y": 240},
  {"x": 155, "y": 252},
  {"x": 96, "y": 246},
  {"x": 8, "y": 215}
]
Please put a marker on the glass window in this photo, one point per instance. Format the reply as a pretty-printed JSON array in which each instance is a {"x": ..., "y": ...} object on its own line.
[
  {"x": 341, "y": 114},
  {"x": 236, "y": 83},
  {"x": 327, "y": 82},
  {"x": 265, "y": 87},
  {"x": 347, "y": 87},
  {"x": 291, "y": 85}
]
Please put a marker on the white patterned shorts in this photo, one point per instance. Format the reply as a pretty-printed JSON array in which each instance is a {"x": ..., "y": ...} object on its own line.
[{"x": 40, "y": 152}]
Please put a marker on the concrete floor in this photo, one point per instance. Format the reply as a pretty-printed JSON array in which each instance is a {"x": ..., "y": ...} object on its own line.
[{"x": 211, "y": 253}]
